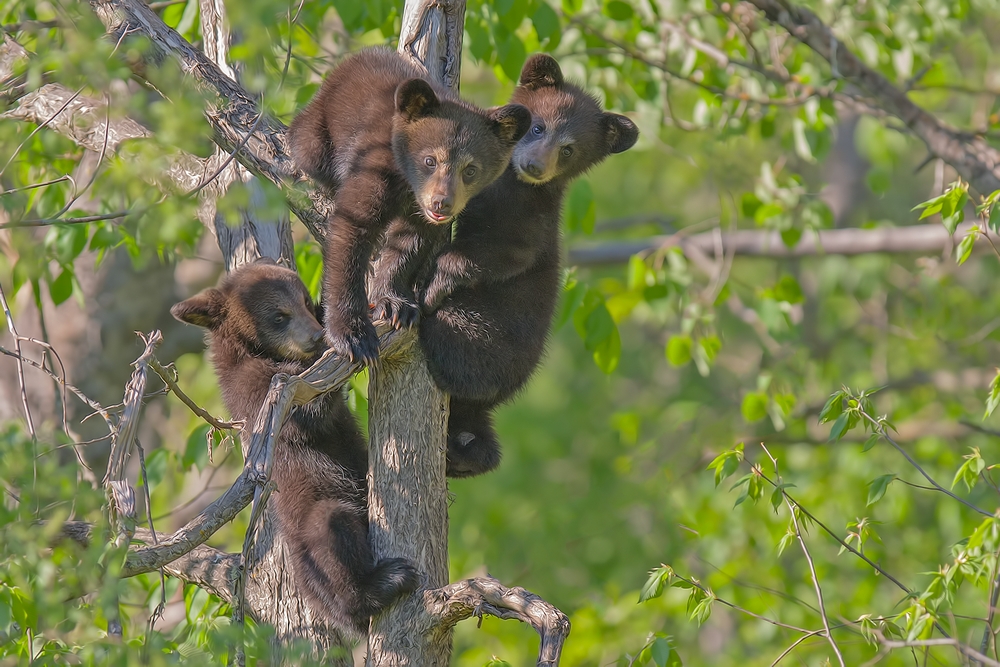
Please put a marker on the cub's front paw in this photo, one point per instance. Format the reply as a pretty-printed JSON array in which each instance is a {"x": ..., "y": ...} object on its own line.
[
  {"x": 396, "y": 310},
  {"x": 357, "y": 341}
]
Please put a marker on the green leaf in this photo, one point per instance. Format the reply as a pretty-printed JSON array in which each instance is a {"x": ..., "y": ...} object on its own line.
[
  {"x": 572, "y": 298},
  {"x": 710, "y": 345},
  {"x": 663, "y": 654},
  {"x": 679, "y": 350},
  {"x": 61, "y": 288},
  {"x": 726, "y": 463},
  {"x": 581, "y": 213},
  {"x": 964, "y": 249},
  {"x": 618, "y": 10},
  {"x": 197, "y": 447},
  {"x": 788, "y": 289},
  {"x": 791, "y": 236},
  {"x": 969, "y": 471},
  {"x": 994, "y": 398},
  {"x": 877, "y": 488},
  {"x": 994, "y": 220},
  {"x": 833, "y": 407},
  {"x": 786, "y": 540},
  {"x": 546, "y": 23},
  {"x": 754, "y": 406},
  {"x": 608, "y": 352},
  {"x": 839, "y": 427},
  {"x": 870, "y": 442},
  {"x": 656, "y": 582},
  {"x": 511, "y": 56}
]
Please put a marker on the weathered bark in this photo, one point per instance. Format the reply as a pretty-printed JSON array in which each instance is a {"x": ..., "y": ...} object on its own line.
[
  {"x": 231, "y": 111},
  {"x": 408, "y": 417},
  {"x": 407, "y": 502}
]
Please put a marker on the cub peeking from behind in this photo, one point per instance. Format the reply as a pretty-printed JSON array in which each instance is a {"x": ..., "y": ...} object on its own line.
[
  {"x": 391, "y": 144},
  {"x": 489, "y": 303},
  {"x": 261, "y": 321}
]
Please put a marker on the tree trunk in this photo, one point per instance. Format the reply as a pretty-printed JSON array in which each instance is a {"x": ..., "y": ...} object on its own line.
[{"x": 408, "y": 417}]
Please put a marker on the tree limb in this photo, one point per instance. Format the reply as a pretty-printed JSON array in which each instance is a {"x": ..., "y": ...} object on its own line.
[
  {"x": 330, "y": 373},
  {"x": 971, "y": 156},
  {"x": 768, "y": 243},
  {"x": 230, "y": 110},
  {"x": 456, "y": 602}
]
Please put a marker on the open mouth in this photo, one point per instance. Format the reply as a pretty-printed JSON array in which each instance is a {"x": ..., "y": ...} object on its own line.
[{"x": 437, "y": 217}]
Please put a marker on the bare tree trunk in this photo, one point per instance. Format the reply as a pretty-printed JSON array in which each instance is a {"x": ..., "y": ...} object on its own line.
[
  {"x": 408, "y": 417},
  {"x": 271, "y": 594}
]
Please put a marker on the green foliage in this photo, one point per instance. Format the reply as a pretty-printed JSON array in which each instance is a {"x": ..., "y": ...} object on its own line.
[{"x": 668, "y": 360}]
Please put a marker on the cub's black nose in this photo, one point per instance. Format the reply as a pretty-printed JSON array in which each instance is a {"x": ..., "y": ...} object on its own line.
[
  {"x": 533, "y": 169},
  {"x": 441, "y": 204}
]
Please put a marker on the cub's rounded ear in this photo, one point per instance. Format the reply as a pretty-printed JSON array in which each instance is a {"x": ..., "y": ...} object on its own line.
[
  {"x": 539, "y": 71},
  {"x": 510, "y": 122},
  {"x": 415, "y": 99},
  {"x": 204, "y": 309},
  {"x": 620, "y": 132}
]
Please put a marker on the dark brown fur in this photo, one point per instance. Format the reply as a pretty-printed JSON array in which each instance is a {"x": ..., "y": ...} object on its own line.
[
  {"x": 260, "y": 321},
  {"x": 495, "y": 287},
  {"x": 391, "y": 145}
]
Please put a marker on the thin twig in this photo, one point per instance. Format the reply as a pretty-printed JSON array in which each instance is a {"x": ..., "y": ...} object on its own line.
[
  {"x": 171, "y": 381},
  {"x": 158, "y": 612},
  {"x": 20, "y": 382},
  {"x": 880, "y": 429},
  {"x": 809, "y": 560}
]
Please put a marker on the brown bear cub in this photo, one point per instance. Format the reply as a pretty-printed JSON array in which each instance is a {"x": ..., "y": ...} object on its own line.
[
  {"x": 391, "y": 144},
  {"x": 496, "y": 285},
  {"x": 261, "y": 321}
]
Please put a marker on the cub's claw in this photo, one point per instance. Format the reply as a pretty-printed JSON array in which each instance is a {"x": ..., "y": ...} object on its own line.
[
  {"x": 359, "y": 342},
  {"x": 400, "y": 312}
]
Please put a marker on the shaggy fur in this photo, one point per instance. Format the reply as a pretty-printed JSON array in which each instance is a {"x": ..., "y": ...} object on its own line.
[
  {"x": 488, "y": 306},
  {"x": 392, "y": 147},
  {"x": 261, "y": 321}
]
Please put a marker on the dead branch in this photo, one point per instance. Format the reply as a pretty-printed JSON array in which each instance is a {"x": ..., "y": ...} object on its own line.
[
  {"x": 330, "y": 373},
  {"x": 230, "y": 110},
  {"x": 85, "y": 121},
  {"x": 456, "y": 602},
  {"x": 971, "y": 156},
  {"x": 168, "y": 375},
  {"x": 768, "y": 243}
]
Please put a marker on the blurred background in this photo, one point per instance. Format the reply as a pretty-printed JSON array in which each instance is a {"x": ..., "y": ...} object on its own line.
[{"x": 673, "y": 345}]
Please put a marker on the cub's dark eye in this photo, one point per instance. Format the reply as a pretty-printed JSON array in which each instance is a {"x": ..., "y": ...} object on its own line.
[
  {"x": 538, "y": 129},
  {"x": 280, "y": 318},
  {"x": 567, "y": 151},
  {"x": 430, "y": 162},
  {"x": 470, "y": 172}
]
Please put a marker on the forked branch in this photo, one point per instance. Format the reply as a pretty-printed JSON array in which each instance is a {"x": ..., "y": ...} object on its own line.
[{"x": 456, "y": 602}]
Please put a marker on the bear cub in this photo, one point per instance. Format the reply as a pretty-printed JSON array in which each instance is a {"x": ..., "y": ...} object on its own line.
[
  {"x": 261, "y": 321},
  {"x": 488, "y": 305},
  {"x": 390, "y": 145}
]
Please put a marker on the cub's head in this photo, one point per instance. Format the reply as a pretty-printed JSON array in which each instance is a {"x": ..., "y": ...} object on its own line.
[
  {"x": 262, "y": 309},
  {"x": 450, "y": 150},
  {"x": 569, "y": 131}
]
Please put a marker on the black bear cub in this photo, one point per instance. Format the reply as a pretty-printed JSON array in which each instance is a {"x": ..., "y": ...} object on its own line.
[
  {"x": 261, "y": 321},
  {"x": 495, "y": 287},
  {"x": 392, "y": 145}
]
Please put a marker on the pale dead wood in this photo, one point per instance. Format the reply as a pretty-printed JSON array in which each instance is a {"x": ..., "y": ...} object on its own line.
[
  {"x": 330, "y": 373},
  {"x": 456, "y": 602},
  {"x": 916, "y": 239},
  {"x": 230, "y": 110}
]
